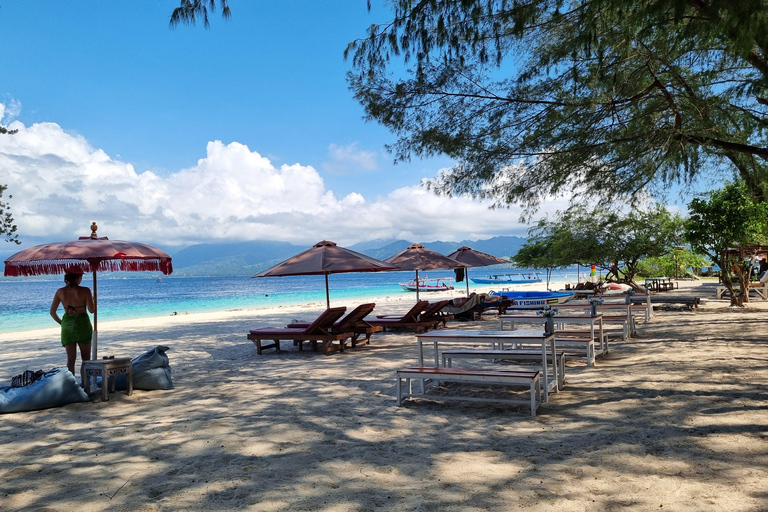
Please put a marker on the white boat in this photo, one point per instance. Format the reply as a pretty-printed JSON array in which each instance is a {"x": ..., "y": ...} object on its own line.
[
  {"x": 521, "y": 278},
  {"x": 534, "y": 300},
  {"x": 426, "y": 284}
]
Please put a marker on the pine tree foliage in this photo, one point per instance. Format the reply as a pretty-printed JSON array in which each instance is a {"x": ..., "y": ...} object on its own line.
[
  {"x": 7, "y": 227},
  {"x": 538, "y": 98},
  {"x": 190, "y": 11}
]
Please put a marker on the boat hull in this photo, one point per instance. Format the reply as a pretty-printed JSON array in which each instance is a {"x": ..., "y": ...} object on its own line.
[
  {"x": 410, "y": 288},
  {"x": 428, "y": 285},
  {"x": 534, "y": 300},
  {"x": 503, "y": 281}
]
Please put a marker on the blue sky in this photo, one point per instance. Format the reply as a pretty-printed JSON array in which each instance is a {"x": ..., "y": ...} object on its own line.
[{"x": 243, "y": 131}]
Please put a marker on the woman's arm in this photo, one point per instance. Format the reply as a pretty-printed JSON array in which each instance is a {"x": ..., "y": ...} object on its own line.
[
  {"x": 89, "y": 301},
  {"x": 55, "y": 307}
]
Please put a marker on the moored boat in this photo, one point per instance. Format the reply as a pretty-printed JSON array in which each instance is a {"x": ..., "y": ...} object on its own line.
[
  {"x": 521, "y": 278},
  {"x": 533, "y": 300},
  {"x": 439, "y": 284}
]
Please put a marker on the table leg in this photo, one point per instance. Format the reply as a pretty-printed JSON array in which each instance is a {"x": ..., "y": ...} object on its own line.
[
  {"x": 104, "y": 386},
  {"x": 545, "y": 367},
  {"x": 603, "y": 339},
  {"x": 554, "y": 364},
  {"x": 421, "y": 352}
]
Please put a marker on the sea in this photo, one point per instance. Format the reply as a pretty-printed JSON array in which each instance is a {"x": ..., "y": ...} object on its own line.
[{"x": 25, "y": 302}]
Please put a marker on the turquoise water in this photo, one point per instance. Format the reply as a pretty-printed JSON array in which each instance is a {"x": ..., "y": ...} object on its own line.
[{"x": 24, "y": 303}]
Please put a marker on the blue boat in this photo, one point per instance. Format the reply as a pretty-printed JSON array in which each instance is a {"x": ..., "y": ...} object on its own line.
[
  {"x": 534, "y": 300},
  {"x": 530, "y": 277}
]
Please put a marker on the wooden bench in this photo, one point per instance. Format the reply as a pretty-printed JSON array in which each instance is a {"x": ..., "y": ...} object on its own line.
[
  {"x": 573, "y": 343},
  {"x": 583, "y": 341},
  {"x": 761, "y": 290},
  {"x": 517, "y": 355},
  {"x": 616, "y": 321},
  {"x": 529, "y": 379},
  {"x": 689, "y": 300}
]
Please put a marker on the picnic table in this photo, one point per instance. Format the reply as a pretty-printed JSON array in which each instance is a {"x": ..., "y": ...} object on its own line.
[
  {"x": 660, "y": 284},
  {"x": 466, "y": 336}
]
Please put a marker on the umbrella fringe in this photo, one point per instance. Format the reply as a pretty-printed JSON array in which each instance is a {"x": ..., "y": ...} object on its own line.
[{"x": 38, "y": 268}]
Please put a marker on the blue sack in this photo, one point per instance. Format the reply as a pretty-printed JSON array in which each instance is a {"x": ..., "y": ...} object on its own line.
[
  {"x": 55, "y": 388},
  {"x": 151, "y": 370}
]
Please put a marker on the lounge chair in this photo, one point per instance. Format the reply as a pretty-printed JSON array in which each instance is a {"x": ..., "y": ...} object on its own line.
[
  {"x": 406, "y": 321},
  {"x": 353, "y": 323},
  {"x": 462, "y": 307},
  {"x": 436, "y": 311},
  {"x": 319, "y": 331}
]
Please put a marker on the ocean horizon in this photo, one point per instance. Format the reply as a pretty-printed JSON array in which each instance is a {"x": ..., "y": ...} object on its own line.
[{"x": 26, "y": 301}]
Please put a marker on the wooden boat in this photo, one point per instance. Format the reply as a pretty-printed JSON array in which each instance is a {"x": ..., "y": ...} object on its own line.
[
  {"x": 439, "y": 284},
  {"x": 533, "y": 300},
  {"x": 521, "y": 278}
]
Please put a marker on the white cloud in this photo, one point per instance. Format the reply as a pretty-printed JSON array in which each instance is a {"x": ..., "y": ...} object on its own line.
[
  {"x": 350, "y": 160},
  {"x": 9, "y": 110},
  {"x": 60, "y": 183}
]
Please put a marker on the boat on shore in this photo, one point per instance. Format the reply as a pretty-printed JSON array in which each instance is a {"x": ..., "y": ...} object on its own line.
[
  {"x": 520, "y": 278},
  {"x": 425, "y": 284},
  {"x": 533, "y": 300}
]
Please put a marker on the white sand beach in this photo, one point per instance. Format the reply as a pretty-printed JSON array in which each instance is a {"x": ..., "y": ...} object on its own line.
[{"x": 675, "y": 418}]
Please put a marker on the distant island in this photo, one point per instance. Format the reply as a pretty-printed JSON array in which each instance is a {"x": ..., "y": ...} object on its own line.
[{"x": 248, "y": 258}]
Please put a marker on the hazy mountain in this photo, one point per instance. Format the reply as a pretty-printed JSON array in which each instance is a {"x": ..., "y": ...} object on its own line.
[{"x": 248, "y": 258}]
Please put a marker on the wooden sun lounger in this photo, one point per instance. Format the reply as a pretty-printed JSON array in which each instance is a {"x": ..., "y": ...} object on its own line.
[
  {"x": 410, "y": 320},
  {"x": 318, "y": 331},
  {"x": 353, "y": 323}
]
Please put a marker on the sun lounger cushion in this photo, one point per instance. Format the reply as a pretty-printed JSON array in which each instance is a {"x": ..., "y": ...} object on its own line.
[
  {"x": 151, "y": 370},
  {"x": 55, "y": 388}
]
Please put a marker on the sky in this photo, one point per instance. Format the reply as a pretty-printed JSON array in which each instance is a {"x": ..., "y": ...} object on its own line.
[{"x": 244, "y": 131}]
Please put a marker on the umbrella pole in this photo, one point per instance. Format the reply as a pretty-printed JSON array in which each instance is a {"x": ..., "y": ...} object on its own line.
[
  {"x": 94, "y": 350},
  {"x": 466, "y": 276},
  {"x": 327, "y": 295},
  {"x": 417, "y": 285}
]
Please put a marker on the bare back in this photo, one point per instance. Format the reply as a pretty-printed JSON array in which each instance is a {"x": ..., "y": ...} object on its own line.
[{"x": 75, "y": 299}]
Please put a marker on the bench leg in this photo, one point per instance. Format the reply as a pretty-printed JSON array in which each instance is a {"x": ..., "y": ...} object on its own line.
[
  {"x": 104, "y": 386},
  {"x": 399, "y": 390}
]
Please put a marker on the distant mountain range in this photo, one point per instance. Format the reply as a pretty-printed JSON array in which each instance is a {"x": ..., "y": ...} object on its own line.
[{"x": 248, "y": 258}]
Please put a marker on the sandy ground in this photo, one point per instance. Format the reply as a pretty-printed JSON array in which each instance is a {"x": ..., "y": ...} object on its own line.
[{"x": 672, "y": 419}]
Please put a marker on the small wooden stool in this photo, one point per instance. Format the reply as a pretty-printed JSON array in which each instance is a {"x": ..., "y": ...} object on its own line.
[{"x": 106, "y": 368}]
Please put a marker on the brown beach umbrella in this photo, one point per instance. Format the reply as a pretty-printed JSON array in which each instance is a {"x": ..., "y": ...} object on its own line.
[
  {"x": 473, "y": 258},
  {"x": 88, "y": 254},
  {"x": 325, "y": 258},
  {"x": 417, "y": 257}
]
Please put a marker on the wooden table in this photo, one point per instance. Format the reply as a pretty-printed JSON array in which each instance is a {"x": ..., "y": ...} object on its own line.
[
  {"x": 624, "y": 307},
  {"x": 533, "y": 336},
  {"x": 660, "y": 284},
  {"x": 593, "y": 321},
  {"x": 106, "y": 368}
]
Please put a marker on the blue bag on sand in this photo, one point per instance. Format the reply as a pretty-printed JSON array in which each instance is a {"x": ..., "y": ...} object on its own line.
[
  {"x": 151, "y": 370},
  {"x": 55, "y": 388}
]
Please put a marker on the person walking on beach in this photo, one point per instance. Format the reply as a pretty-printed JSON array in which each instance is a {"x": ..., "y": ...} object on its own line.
[{"x": 76, "y": 329}]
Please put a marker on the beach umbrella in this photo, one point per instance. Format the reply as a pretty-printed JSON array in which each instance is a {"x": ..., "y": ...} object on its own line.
[
  {"x": 326, "y": 258},
  {"x": 88, "y": 254},
  {"x": 473, "y": 258},
  {"x": 417, "y": 257}
]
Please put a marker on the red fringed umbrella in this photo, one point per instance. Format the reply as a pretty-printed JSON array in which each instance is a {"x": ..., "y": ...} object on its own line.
[{"x": 88, "y": 254}]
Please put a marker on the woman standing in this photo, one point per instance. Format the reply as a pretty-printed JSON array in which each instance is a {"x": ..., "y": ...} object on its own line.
[{"x": 76, "y": 326}]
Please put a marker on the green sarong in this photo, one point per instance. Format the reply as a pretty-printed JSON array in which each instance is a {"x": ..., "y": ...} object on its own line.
[{"x": 76, "y": 329}]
